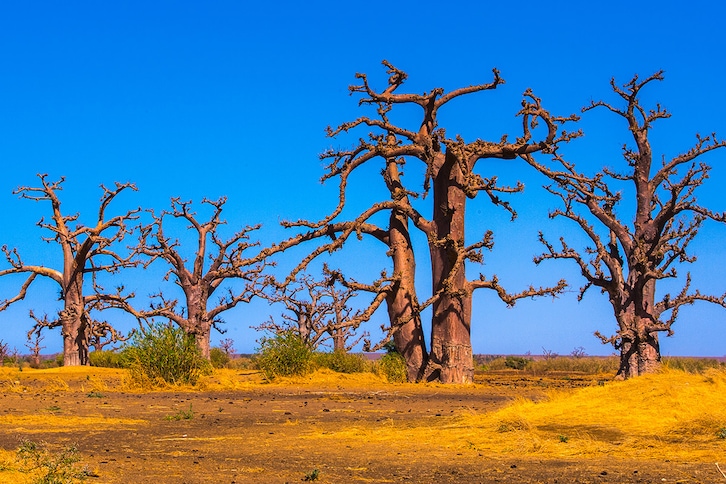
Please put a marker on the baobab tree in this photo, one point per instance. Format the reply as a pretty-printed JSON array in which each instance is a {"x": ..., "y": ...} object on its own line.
[
  {"x": 210, "y": 268},
  {"x": 98, "y": 334},
  {"x": 449, "y": 165},
  {"x": 317, "y": 311},
  {"x": 627, "y": 259},
  {"x": 87, "y": 250}
]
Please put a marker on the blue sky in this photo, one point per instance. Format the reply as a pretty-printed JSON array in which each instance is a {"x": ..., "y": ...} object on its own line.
[{"x": 202, "y": 99}]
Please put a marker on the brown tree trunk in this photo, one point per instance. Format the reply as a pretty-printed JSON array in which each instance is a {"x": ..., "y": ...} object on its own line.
[
  {"x": 74, "y": 326},
  {"x": 451, "y": 354},
  {"x": 339, "y": 341},
  {"x": 201, "y": 337},
  {"x": 639, "y": 347},
  {"x": 408, "y": 337}
]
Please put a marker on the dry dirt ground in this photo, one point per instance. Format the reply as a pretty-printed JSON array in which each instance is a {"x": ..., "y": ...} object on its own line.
[{"x": 297, "y": 431}]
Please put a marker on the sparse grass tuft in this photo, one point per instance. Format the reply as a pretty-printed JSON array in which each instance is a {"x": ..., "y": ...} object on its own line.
[
  {"x": 50, "y": 468},
  {"x": 182, "y": 414},
  {"x": 312, "y": 476}
]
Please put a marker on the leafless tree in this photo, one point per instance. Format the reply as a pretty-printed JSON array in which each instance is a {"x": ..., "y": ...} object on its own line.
[
  {"x": 317, "y": 311},
  {"x": 35, "y": 347},
  {"x": 86, "y": 250},
  {"x": 227, "y": 345},
  {"x": 449, "y": 173},
  {"x": 210, "y": 268},
  {"x": 631, "y": 253}
]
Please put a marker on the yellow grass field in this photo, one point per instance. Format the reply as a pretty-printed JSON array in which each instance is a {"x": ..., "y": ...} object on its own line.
[{"x": 357, "y": 428}]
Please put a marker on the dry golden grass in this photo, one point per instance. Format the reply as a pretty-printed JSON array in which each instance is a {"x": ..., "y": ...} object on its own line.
[
  {"x": 670, "y": 415},
  {"x": 673, "y": 415}
]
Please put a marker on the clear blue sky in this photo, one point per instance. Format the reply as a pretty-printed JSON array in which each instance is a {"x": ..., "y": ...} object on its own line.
[{"x": 204, "y": 99}]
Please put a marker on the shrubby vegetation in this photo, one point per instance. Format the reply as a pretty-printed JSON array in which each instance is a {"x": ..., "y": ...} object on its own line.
[
  {"x": 341, "y": 362},
  {"x": 392, "y": 366},
  {"x": 164, "y": 354},
  {"x": 107, "y": 359},
  {"x": 284, "y": 354},
  {"x": 218, "y": 358}
]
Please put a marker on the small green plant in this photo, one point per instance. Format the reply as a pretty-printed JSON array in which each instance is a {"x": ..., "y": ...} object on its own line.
[
  {"x": 563, "y": 438},
  {"x": 164, "y": 354},
  {"x": 721, "y": 434},
  {"x": 393, "y": 366},
  {"x": 285, "y": 354},
  {"x": 58, "y": 468},
  {"x": 182, "y": 414},
  {"x": 341, "y": 362},
  {"x": 54, "y": 408},
  {"x": 312, "y": 476},
  {"x": 95, "y": 395}
]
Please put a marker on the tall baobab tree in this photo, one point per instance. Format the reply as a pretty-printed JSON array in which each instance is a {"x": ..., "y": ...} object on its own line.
[
  {"x": 86, "y": 250},
  {"x": 449, "y": 173},
  {"x": 627, "y": 258},
  {"x": 210, "y": 268}
]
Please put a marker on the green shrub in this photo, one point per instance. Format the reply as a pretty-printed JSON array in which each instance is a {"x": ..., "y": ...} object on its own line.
[
  {"x": 393, "y": 366},
  {"x": 218, "y": 357},
  {"x": 106, "y": 359},
  {"x": 516, "y": 362},
  {"x": 164, "y": 354},
  {"x": 284, "y": 354},
  {"x": 341, "y": 362}
]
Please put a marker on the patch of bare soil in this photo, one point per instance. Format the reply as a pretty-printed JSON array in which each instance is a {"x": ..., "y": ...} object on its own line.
[{"x": 289, "y": 433}]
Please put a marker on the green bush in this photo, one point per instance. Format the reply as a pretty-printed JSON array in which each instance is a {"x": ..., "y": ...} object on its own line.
[
  {"x": 106, "y": 359},
  {"x": 393, "y": 366},
  {"x": 341, "y": 362},
  {"x": 284, "y": 354},
  {"x": 164, "y": 354},
  {"x": 516, "y": 362},
  {"x": 218, "y": 357}
]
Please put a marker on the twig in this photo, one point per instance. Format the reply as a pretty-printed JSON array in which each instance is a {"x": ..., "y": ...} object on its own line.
[{"x": 719, "y": 469}]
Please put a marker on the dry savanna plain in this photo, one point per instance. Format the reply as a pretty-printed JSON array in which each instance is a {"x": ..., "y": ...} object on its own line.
[{"x": 234, "y": 427}]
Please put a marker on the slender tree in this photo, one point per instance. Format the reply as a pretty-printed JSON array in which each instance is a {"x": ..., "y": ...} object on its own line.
[
  {"x": 216, "y": 261},
  {"x": 631, "y": 253},
  {"x": 449, "y": 173},
  {"x": 86, "y": 250}
]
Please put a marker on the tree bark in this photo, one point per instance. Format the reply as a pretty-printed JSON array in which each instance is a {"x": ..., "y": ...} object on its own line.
[
  {"x": 451, "y": 354},
  {"x": 74, "y": 323},
  {"x": 403, "y": 314},
  {"x": 639, "y": 347},
  {"x": 201, "y": 338}
]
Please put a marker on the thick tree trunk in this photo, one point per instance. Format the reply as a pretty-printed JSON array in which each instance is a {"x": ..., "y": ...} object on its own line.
[
  {"x": 639, "y": 355},
  {"x": 639, "y": 347},
  {"x": 451, "y": 354},
  {"x": 74, "y": 327},
  {"x": 339, "y": 341},
  {"x": 201, "y": 337}
]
